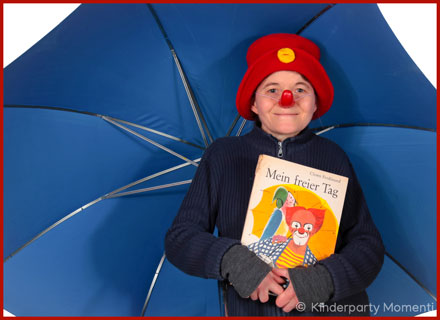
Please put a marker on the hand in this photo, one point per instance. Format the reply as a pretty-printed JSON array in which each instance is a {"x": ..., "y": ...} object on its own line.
[
  {"x": 278, "y": 238},
  {"x": 272, "y": 282},
  {"x": 287, "y": 300}
]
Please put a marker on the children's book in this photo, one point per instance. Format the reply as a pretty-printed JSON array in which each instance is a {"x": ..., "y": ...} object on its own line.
[{"x": 294, "y": 213}]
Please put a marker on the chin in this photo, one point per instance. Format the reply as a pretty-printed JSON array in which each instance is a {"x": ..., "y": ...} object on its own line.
[
  {"x": 289, "y": 129},
  {"x": 300, "y": 241},
  {"x": 288, "y": 134}
]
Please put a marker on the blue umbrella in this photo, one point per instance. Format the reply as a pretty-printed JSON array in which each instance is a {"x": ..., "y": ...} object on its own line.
[{"x": 105, "y": 121}]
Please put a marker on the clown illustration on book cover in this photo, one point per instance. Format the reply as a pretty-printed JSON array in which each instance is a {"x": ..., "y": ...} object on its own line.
[{"x": 294, "y": 213}]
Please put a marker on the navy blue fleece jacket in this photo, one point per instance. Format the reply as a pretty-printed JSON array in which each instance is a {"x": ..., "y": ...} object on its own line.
[{"x": 219, "y": 195}]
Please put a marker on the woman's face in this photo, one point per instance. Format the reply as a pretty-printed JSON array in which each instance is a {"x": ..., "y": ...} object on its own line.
[{"x": 284, "y": 122}]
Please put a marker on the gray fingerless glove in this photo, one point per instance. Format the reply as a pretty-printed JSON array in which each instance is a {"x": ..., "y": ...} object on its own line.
[
  {"x": 313, "y": 284},
  {"x": 243, "y": 269}
]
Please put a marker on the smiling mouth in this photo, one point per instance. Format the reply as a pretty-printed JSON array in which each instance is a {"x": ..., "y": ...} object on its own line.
[{"x": 301, "y": 235}]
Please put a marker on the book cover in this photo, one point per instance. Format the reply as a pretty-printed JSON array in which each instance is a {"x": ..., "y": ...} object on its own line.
[{"x": 294, "y": 213}]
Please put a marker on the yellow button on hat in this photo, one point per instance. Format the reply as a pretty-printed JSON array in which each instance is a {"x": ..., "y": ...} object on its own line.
[{"x": 286, "y": 55}]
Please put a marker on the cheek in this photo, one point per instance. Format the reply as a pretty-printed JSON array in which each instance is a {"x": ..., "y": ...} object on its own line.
[{"x": 311, "y": 108}]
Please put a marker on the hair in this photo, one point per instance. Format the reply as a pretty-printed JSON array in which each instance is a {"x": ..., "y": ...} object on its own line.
[{"x": 317, "y": 213}]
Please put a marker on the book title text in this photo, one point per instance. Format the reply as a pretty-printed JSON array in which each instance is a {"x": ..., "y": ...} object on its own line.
[{"x": 325, "y": 187}]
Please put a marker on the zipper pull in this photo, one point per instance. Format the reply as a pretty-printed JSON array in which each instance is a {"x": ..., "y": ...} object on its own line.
[{"x": 280, "y": 149}]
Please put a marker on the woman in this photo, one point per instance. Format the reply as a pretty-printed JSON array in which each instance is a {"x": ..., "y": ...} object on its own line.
[{"x": 284, "y": 88}]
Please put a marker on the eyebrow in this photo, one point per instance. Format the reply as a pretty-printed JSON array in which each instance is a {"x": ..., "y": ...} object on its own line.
[
  {"x": 304, "y": 83},
  {"x": 271, "y": 84},
  {"x": 277, "y": 84}
]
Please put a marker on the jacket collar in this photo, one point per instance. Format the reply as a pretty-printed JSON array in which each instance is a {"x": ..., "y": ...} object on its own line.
[{"x": 261, "y": 137}]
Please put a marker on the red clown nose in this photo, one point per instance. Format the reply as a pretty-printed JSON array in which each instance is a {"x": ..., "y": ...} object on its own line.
[{"x": 287, "y": 99}]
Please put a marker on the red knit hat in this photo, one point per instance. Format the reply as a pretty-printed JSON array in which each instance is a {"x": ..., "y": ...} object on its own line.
[{"x": 283, "y": 51}]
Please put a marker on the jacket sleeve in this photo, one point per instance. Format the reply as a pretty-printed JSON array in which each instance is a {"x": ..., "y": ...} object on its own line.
[
  {"x": 359, "y": 250},
  {"x": 190, "y": 244}
]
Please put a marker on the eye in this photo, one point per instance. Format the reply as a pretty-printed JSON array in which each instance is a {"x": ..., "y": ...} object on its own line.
[
  {"x": 296, "y": 224},
  {"x": 308, "y": 227},
  {"x": 272, "y": 90},
  {"x": 300, "y": 90}
]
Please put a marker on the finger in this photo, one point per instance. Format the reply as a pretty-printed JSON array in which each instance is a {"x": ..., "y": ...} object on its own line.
[
  {"x": 284, "y": 298},
  {"x": 276, "y": 289},
  {"x": 290, "y": 305},
  {"x": 264, "y": 296},
  {"x": 278, "y": 279},
  {"x": 254, "y": 295},
  {"x": 281, "y": 272}
]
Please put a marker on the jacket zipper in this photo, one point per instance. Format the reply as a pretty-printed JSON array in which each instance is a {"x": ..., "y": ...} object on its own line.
[{"x": 280, "y": 149}]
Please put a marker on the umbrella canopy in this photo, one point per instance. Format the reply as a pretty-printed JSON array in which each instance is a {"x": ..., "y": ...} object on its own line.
[{"x": 106, "y": 118}]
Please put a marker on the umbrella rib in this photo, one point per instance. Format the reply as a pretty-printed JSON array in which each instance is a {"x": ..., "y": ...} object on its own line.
[
  {"x": 153, "y": 283},
  {"x": 196, "y": 110},
  {"x": 315, "y": 17},
  {"x": 411, "y": 276},
  {"x": 70, "y": 215},
  {"x": 166, "y": 135},
  {"x": 150, "y": 141},
  {"x": 156, "y": 132},
  {"x": 106, "y": 196},
  {"x": 110, "y": 194},
  {"x": 194, "y": 105},
  {"x": 168, "y": 185},
  {"x": 372, "y": 124},
  {"x": 50, "y": 108},
  {"x": 325, "y": 130},
  {"x": 241, "y": 127},
  {"x": 232, "y": 125}
]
